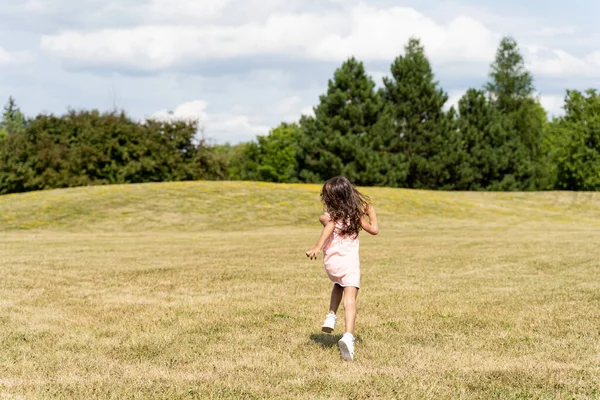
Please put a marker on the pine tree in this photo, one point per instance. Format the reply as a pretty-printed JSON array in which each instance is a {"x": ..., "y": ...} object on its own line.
[
  {"x": 510, "y": 83},
  {"x": 13, "y": 121},
  {"x": 422, "y": 130},
  {"x": 511, "y": 92},
  {"x": 487, "y": 150},
  {"x": 337, "y": 139},
  {"x": 384, "y": 164}
]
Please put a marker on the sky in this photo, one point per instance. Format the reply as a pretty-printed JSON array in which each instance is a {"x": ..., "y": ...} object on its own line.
[{"x": 244, "y": 66}]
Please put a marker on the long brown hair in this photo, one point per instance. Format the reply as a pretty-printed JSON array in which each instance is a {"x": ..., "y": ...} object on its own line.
[{"x": 344, "y": 204}]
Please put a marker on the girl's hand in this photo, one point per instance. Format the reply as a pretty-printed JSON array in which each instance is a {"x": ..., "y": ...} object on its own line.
[
  {"x": 313, "y": 253},
  {"x": 327, "y": 231}
]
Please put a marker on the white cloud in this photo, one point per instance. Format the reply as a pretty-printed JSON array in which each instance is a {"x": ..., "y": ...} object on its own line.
[
  {"x": 221, "y": 127},
  {"x": 36, "y": 5},
  {"x": 594, "y": 58},
  {"x": 183, "y": 10},
  {"x": 453, "y": 98},
  {"x": 7, "y": 58},
  {"x": 553, "y": 104},
  {"x": 256, "y": 63},
  {"x": 561, "y": 64},
  {"x": 190, "y": 111},
  {"x": 292, "y": 108},
  {"x": 382, "y": 34},
  {"x": 378, "y": 76},
  {"x": 290, "y": 104},
  {"x": 361, "y": 30},
  {"x": 552, "y": 31},
  {"x": 308, "y": 111}
]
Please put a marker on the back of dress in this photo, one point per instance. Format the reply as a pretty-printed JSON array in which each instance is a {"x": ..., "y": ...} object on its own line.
[{"x": 341, "y": 257}]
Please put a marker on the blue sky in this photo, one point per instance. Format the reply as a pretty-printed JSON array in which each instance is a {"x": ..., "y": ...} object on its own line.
[{"x": 244, "y": 66}]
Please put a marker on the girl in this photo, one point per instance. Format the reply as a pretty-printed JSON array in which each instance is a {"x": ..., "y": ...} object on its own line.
[{"x": 346, "y": 212}]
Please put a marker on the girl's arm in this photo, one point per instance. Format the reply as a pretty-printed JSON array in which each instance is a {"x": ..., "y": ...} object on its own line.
[
  {"x": 324, "y": 219},
  {"x": 327, "y": 231},
  {"x": 370, "y": 224}
]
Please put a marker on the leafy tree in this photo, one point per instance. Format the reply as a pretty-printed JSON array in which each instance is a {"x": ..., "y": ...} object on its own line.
[
  {"x": 575, "y": 142},
  {"x": 242, "y": 161},
  {"x": 422, "y": 130},
  {"x": 87, "y": 147},
  {"x": 209, "y": 163},
  {"x": 272, "y": 158},
  {"x": 277, "y": 160},
  {"x": 16, "y": 169},
  {"x": 337, "y": 140}
]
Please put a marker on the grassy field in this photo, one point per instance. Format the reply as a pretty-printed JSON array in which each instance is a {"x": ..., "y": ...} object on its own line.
[{"x": 202, "y": 290}]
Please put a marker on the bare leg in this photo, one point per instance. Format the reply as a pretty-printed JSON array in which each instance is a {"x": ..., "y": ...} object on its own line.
[
  {"x": 336, "y": 298},
  {"x": 350, "y": 294}
]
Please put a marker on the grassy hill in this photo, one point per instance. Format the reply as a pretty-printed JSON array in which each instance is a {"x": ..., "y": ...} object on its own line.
[
  {"x": 201, "y": 290},
  {"x": 228, "y": 206}
]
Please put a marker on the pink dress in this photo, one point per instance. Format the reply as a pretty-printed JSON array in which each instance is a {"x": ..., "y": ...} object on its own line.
[{"x": 340, "y": 255}]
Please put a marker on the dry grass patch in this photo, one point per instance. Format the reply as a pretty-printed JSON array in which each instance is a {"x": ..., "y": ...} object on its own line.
[{"x": 201, "y": 290}]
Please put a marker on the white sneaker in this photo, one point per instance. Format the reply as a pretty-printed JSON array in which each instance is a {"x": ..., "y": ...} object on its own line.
[
  {"x": 329, "y": 323},
  {"x": 346, "y": 345}
]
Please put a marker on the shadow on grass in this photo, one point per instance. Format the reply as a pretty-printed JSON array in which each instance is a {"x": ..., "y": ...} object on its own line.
[{"x": 325, "y": 340}]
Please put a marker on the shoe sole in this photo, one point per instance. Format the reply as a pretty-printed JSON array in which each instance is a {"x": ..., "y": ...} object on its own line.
[
  {"x": 327, "y": 329},
  {"x": 344, "y": 351}
]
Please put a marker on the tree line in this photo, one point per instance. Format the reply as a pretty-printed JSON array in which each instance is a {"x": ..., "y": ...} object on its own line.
[
  {"x": 90, "y": 148},
  {"x": 497, "y": 138},
  {"x": 400, "y": 135}
]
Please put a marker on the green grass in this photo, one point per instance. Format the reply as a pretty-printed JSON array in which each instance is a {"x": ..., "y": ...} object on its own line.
[{"x": 201, "y": 290}]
